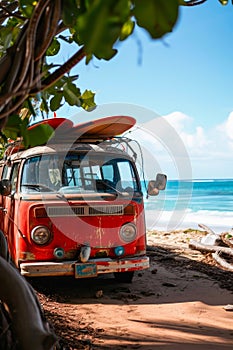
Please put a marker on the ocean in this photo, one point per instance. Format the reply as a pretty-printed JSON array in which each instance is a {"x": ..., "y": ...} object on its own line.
[{"x": 185, "y": 204}]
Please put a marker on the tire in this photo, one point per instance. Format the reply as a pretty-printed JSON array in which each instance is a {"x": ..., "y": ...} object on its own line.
[
  {"x": 124, "y": 277},
  {"x": 3, "y": 247}
]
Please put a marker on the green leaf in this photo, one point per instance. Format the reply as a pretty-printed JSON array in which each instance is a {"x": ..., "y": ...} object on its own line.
[
  {"x": 11, "y": 133},
  {"x": 127, "y": 29},
  {"x": 8, "y": 35},
  {"x": 14, "y": 120},
  {"x": 53, "y": 48},
  {"x": 55, "y": 102},
  {"x": 6, "y": 38},
  {"x": 87, "y": 100},
  {"x": 88, "y": 58},
  {"x": 158, "y": 17},
  {"x": 71, "y": 94},
  {"x": 71, "y": 9},
  {"x": 27, "y": 7},
  {"x": 3, "y": 140},
  {"x": 39, "y": 135},
  {"x": 13, "y": 127},
  {"x": 28, "y": 104},
  {"x": 100, "y": 27},
  {"x": 44, "y": 105}
]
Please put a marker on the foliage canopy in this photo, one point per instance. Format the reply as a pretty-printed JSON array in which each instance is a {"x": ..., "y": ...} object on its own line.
[{"x": 31, "y": 31}]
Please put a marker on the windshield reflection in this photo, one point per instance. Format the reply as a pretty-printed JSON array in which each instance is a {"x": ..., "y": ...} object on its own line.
[{"x": 78, "y": 174}]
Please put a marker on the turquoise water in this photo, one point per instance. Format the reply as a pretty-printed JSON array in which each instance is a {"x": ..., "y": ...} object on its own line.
[
  {"x": 192, "y": 202},
  {"x": 214, "y": 195}
]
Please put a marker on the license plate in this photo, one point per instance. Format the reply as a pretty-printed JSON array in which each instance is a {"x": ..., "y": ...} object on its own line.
[{"x": 85, "y": 270}]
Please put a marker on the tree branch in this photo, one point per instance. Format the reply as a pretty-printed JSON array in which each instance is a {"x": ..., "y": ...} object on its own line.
[
  {"x": 194, "y": 2},
  {"x": 65, "y": 68}
]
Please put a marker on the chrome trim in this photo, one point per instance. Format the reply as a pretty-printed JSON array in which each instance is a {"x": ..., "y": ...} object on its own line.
[{"x": 67, "y": 268}]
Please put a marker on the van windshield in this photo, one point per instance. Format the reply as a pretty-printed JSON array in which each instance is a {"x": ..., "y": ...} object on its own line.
[{"x": 78, "y": 173}]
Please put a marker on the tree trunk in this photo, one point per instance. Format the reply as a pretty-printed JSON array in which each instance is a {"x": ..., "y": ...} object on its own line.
[{"x": 22, "y": 320}]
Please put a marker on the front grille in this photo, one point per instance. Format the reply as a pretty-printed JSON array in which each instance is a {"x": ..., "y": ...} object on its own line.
[
  {"x": 96, "y": 210},
  {"x": 65, "y": 211},
  {"x": 106, "y": 210}
]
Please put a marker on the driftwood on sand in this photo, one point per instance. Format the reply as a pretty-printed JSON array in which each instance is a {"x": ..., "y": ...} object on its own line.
[
  {"x": 209, "y": 248},
  {"x": 220, "y": 245}
]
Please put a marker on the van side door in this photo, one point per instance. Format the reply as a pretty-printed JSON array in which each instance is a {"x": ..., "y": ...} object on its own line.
[
  {"x": 10, "y": 203},
  {"x": 5, "y": 171}
]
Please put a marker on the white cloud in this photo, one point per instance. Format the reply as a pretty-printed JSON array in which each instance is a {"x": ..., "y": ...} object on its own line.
[
  {"x": 229, "y": 126},
  {"x": 226, "y": 131},
  {"x": 209, "y": 150},
  {"x": 178, "y": 120},
  {"x": 194, "y": 137}
]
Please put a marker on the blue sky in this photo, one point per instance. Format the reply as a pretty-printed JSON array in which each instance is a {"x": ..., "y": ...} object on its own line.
[{"x": 187, "y": 78}]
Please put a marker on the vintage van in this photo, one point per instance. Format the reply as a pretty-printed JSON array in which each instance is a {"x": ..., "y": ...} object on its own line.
[{"x": 74, "y": 207}]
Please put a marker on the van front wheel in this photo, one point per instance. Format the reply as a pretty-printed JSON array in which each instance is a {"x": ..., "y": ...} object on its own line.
[{"x": 124, "y": 277}]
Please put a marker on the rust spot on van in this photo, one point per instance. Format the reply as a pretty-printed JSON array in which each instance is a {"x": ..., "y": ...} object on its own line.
[{"x": 27, "y": 256}]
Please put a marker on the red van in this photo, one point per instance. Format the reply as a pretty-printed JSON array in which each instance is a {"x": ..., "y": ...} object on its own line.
[{"x": 74, "y": 209}]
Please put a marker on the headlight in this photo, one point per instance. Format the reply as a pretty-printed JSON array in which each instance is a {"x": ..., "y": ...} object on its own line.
[
  {"x": 41, "y": 235},
  {"x": 128, "y": 232}
]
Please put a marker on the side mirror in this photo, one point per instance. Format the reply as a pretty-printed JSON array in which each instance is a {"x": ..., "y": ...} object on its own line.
[
  {"x": 5, "y": 187},
  {"x": 154, "y": 186}
]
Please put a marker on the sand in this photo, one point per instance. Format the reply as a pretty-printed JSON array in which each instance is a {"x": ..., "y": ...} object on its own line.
[{"x": 179, "y": 303}]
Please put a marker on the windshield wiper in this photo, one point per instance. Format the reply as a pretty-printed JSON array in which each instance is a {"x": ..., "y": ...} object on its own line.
[
  {"x": 123, "y": 194},
  {"x": 38, "y": 187}
]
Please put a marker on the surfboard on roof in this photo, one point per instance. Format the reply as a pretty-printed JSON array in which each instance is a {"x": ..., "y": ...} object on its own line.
[
  {"x": 91, "y": 131},
  {"x": 103, "y": 128}
]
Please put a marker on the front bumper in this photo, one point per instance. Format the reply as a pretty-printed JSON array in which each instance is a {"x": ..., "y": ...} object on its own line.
[{"x": 92, "y": 268}]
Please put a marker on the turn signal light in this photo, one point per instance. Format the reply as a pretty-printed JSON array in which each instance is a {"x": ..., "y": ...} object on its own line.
[
  {"x": 41, "y": 213},
  {"x": 129, "y": 210}
]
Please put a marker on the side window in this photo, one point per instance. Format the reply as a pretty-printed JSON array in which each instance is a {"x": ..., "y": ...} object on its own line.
[
  {"x": 72, "y": 176},
  {"x": 5, "y": 172},
  {"x": 31, "y": 173},
  {"x": 14, "y": 176},
  {"x": 127, "y": 175},
  {"x": 108, "y": 172}
]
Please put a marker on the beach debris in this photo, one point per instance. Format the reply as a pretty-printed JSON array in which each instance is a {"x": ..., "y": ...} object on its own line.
[
  {"x": 209, "y": 248},
  {"x": 211, "y": 238},
  {"x": 147, "y": 293},
  {"x": 220, "y": 245},
  {"x": 99, "y": 294},
  {"x": 169, "y": 284},
  {"x": 227, "y": 238},
  {"x": 222, "y": 261},
  {"x": 207, "y": 229},
  {"x": 228, "y": 307}
]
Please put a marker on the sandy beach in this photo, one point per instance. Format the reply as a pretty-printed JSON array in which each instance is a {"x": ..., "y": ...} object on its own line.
[{"x": 177, "y": 304}]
